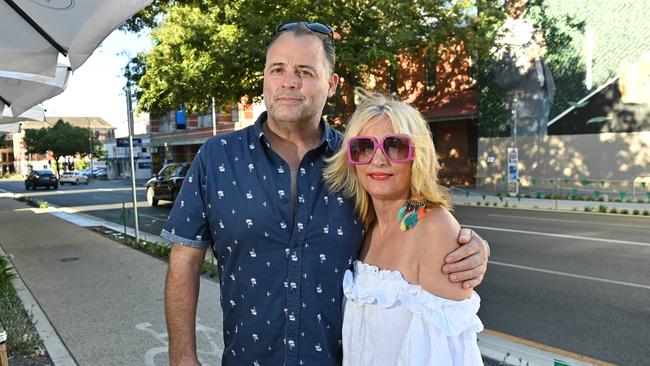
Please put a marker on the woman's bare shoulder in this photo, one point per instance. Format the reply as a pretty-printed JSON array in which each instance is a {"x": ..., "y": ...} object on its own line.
[
  {"x": 438, "y": 237},
  {"x": 439, "y": 224}
]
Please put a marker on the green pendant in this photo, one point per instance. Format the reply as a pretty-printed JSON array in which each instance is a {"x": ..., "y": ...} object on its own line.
[{"x": 400, "y": 214}]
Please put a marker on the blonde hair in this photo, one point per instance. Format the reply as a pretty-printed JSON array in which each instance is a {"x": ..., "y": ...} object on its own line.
[{"x": 340, "y": 176}]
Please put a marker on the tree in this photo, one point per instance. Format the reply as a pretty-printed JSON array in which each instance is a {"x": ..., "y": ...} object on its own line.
[
  {"x": 216, "y": 49},
  {"x": 62, "y": 140}
]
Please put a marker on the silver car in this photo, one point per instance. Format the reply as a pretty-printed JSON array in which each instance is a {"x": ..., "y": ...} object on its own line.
[{"x": 73, "y": 178}]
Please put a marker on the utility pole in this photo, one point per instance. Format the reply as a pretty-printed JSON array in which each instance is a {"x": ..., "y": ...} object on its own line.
[
  {"x": 135, "y": 199},
  {"x": 214, "y": 119},
  {"x": 90, "y": 145},
  {"x": 513, "y": 152}
]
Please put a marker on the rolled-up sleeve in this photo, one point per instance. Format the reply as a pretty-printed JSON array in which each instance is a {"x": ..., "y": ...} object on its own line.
[{"x": 187, "y": 223}]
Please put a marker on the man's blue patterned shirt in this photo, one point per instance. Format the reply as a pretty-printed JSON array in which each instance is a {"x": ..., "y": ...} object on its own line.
[{"x": 280, "y": 275}]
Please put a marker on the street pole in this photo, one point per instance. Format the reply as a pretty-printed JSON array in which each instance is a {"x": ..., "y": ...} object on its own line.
[
  {"x": 214, "y": 119},
  {"x": 514, "y": 121},
  {"x": 135, "y": 199},
  {"x": 90, "y": 146},
  {"x": 513, "y": 153}
]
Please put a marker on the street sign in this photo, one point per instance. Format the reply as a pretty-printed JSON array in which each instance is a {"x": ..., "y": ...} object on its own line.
[
  {"x": 513, "y": 171},
  {"x": 181, "y": 119},
  {"x": 124, "y": 142}
]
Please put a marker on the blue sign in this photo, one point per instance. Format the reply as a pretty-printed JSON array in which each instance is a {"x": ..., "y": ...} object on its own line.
[
  {"x": 144, "y": 165},
  {"x": 181, "y": 119},
  {"x": 124, "y": 142}
]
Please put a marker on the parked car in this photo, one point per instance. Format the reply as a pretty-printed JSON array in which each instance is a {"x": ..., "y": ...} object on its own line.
[
  {"x": 41, "y": 178},
  {"x": 99, "y": 172},
  {"x": 73, "y": 178},
  {"x": 167, "y": 183}
]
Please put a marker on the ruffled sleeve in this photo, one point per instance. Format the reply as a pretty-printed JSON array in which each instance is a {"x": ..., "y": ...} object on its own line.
[{"x": 370, "y": 285}]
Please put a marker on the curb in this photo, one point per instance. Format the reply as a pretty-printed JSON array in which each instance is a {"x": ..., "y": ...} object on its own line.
[
  {"x": 56, "y": 349},
  {"x": 513, "y": 351}
]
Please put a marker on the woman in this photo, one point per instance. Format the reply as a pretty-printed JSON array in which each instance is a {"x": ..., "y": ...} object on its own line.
[{"x": 401, "y": 309}]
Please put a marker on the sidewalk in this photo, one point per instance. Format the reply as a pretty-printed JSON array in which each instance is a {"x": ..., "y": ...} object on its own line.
[
  {"x": 104, "y": 300},
  {"x": 471, "y": 197}
]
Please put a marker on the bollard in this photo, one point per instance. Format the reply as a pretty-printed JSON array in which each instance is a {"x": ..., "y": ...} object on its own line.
[{"x": 3, "y": 349}]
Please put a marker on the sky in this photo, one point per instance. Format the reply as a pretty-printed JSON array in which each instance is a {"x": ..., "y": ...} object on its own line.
[{"x": 96, "y": 88}]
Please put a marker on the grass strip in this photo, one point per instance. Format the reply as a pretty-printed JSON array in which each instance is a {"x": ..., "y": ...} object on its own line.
[{"x": 22, "y": 338}]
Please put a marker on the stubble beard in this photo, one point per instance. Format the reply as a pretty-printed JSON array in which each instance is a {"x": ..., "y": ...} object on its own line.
[{"x": 294, "y": 119}]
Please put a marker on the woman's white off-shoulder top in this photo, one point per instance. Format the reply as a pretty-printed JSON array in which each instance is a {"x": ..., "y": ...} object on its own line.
[{"x": 388, "y": 321}]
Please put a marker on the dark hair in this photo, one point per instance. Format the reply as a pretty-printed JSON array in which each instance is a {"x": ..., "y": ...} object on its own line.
[{"x": 302, "y": 30}]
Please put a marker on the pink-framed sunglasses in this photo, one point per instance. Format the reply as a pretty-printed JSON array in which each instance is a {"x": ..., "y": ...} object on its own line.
[{"x": 396, "y": 148}]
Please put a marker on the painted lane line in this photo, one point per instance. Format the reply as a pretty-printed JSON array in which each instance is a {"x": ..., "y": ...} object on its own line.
[
  {"x": 565, "y": 236},
  {"x": 573, "y": 275},
  {"x": 571, "y": 221}
]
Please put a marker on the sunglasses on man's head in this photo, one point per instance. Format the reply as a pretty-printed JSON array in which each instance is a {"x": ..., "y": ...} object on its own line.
[
  {"x": 314, "y": 27},
  {"x": 396, "y": 148}
]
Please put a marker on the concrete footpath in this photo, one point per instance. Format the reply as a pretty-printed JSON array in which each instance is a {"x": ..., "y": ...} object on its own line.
[
  {"x": 98, "y": 302},
  {"x": 103, "y": 301}
]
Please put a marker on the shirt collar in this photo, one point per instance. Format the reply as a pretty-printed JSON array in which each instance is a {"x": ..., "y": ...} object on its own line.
[{"x": 330, "y": 136}]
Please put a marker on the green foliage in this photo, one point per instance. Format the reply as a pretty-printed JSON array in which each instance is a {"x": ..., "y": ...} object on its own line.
[
  {"x": 6, "y": 273},
  {"x": 624, "y": 211},
  {"x": 209, "y": 269},
  {"x": 563, "y": 58},
  {"x": 22, "y": 338},
  {"x": 163, "y": 251},
  {"x": 646, "y": 213},
  {"x": 635, "y": 212},
  {"x": 80, "y": 164},
  {"x": 62, "y": 139},
  {"x": 32, "y": 202},
  {"x": 613, "y": 210},
  {"x": 217, "y": 49},
  {"x": 150, "y": 16},
  {"x": 602, "y": 208}
]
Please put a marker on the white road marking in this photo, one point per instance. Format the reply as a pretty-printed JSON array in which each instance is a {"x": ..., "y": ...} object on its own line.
[
  {"x": 561, "y": 220},
  {"x": 597, "y": 279},
  {"x": 565, "y": 236}
]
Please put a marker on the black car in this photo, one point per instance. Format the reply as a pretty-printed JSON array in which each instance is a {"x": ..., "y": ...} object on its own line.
[
  {"x": 41, "y": 178},
  {"x": 167, "y": 183}
]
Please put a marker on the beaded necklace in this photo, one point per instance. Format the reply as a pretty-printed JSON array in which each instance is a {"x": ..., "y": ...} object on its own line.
[{"x": 412, "y": 212}]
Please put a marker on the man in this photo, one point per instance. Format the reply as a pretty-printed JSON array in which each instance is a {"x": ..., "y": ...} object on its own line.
[{"x": 282, "y": 241}]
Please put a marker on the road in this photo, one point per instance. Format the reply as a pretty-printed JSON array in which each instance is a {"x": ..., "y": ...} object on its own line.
[{"x": 578, "y": 282}]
